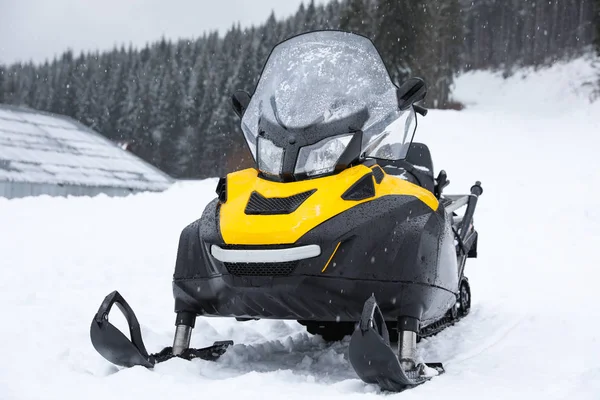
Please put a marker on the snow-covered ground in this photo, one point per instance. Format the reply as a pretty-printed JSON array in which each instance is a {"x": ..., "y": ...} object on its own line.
[{"x": 534, "y": 330}]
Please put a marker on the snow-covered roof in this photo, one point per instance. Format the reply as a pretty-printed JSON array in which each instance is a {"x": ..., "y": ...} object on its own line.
[{"x": 38, "y": 147}]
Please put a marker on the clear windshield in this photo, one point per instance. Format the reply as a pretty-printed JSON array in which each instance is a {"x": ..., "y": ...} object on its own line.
[{"x": 321, "y": 77}]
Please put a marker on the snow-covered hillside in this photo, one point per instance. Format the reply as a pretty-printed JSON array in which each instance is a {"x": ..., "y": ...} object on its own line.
[{"x": 533, "y": 331}]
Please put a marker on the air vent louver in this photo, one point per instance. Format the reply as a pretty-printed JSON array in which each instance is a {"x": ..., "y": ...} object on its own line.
[
  {"x": 362, "y": 189},
  {"x": 260, "y": 205},
  {"x": 378, "y": 174}
]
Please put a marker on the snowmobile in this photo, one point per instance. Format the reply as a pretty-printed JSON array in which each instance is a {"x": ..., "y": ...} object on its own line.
[{"x": 341, "y": 225}]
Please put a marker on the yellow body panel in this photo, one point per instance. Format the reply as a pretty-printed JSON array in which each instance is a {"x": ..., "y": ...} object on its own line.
[{"x": 325, "y": 203}]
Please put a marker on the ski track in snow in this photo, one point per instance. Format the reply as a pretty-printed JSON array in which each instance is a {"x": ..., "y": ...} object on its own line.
[{"x": 532, "y": 333}]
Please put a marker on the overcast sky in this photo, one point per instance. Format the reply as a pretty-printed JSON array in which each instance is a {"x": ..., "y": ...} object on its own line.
[{"x": 39, "y": 29}]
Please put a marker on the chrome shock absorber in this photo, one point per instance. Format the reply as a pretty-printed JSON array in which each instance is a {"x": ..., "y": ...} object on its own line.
[
  {"x": 407, "y": 342},
  {"x": 183, "y": 331}
]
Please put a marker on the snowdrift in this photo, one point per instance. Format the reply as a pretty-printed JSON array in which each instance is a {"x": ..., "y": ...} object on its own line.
[{"x": 531, "y": 139}]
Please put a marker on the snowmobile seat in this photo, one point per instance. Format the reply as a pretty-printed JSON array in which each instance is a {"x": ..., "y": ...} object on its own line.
[{"x": 416, "y": 168}]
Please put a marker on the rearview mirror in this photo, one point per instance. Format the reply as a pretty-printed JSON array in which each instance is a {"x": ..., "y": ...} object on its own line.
[
  {"x": 411, "y": 91},
  {"x": 240, "y": 101}
]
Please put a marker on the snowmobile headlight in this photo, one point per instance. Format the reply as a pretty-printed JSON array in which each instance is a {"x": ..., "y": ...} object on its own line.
[
  {"x": 321, "y": 157},
  {"x": 270, "y": 157}
]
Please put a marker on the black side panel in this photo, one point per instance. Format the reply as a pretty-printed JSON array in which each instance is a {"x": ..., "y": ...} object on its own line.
[
  {"x": 188, "y": 252},
  {"x": 210, "y": 229},
  {"x": 391, "y": 238},
  {"x": 192, "y": 260},
  {"x": 447, "y": 275}
]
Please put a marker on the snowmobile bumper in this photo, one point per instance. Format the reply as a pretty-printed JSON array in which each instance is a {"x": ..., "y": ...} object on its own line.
[{"x": 300, "y": 297}]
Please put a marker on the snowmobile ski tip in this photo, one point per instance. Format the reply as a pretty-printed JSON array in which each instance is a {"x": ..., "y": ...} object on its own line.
[
  {"x": 374, "y": 360},
  {"x": 117, "y": 348}
]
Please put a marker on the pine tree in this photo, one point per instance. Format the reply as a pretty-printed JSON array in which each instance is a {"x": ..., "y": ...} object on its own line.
[
  {"x": 130, "y": 108},
  {"x": 402, "y": 26},
  {"x": 332, "y": 11},
  {"x": 355, "y": 18},
  {"x": 596, "y": 20},
  {"x": 436, "y": 58},
  {"x": 82, "y": 81},
  {"x": 167, "y": 119},
  {"x": 65, "y": 96},
  {"x": 597, "y": 25},
  {"x": 2, "y": 79},
  {"x": 41, "y": 85},
  {"x": 116, "y": 95},
  {"x": 310, "y": 18}
]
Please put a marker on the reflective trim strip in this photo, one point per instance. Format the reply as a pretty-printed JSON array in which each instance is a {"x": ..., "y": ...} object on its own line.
[
  {"x": 331, "y": 258},
  {"x": 266, "y": 255}
]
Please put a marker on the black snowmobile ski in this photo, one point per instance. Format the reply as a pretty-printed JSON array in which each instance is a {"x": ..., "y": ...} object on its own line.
[
  {"x": 115, "y": 347},
  {"x": 374, "y": 360}
]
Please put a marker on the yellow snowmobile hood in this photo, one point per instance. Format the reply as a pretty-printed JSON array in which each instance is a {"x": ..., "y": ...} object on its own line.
[{"x": 325, "y": 202}]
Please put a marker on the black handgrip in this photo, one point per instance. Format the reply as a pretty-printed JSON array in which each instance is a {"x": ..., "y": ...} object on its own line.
[
  {"x": 476, "y": 189},
  {"x": 421, "y": 110}
]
